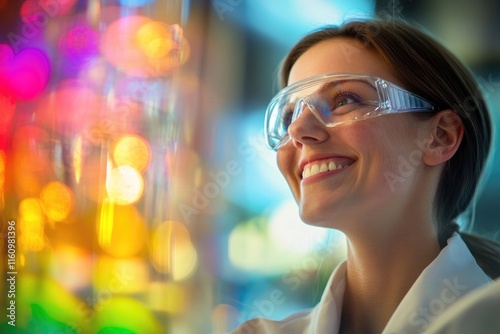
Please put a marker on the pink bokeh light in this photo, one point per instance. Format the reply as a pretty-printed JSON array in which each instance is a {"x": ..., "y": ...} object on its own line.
[
  {"x": 33, "y": 10},
  {"x": 24, "y": 75},
  {"x": 79, "y": 45}
]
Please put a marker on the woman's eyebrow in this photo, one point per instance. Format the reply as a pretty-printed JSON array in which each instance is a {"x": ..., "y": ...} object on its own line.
[{"x": 328, "y": 86}]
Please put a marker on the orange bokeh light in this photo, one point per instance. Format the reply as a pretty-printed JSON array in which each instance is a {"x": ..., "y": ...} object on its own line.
[
  {"x": 153, "y": 38},
  {"x": 142, "y": 47},
  {"x": 31, "y": 160},
  {"x": 57, "y": 201}
]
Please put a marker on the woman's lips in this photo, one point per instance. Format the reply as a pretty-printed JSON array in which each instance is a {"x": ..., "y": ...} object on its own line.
[{"x": 325, "y": 165}]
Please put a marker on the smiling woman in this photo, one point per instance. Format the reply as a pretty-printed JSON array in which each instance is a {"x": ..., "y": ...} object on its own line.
[{"x": 396, "y": 185}]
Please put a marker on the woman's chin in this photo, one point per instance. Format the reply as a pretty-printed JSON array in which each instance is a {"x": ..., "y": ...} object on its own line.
[{"x": 320, "y": 218}]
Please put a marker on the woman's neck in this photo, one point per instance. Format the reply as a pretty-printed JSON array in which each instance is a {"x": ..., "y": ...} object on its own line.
[{"x": 381, "y": 268}]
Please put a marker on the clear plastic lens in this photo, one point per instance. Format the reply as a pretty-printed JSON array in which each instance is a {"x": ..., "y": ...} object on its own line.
[{"x": 335, "y": 99}]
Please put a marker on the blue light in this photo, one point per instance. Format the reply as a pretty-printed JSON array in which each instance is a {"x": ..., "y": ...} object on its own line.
[
  {"x": 301, "y": 16},
  {"x": 136, "y": 3}
]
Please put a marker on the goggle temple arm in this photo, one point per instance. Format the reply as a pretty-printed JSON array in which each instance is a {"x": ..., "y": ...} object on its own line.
[{"x": 394, "y": 98}]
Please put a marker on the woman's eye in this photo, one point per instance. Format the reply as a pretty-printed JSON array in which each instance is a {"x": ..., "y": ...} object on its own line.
[
  {"x": 344, "y": 100},
  {"x": 344, "y": 103}
]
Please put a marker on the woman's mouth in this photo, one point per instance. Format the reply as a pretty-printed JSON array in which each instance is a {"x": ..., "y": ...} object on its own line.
[{"x": 322, "y": 166}]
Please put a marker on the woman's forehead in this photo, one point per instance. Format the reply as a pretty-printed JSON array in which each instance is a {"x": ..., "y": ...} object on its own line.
[{"x": 340, "y": 55}]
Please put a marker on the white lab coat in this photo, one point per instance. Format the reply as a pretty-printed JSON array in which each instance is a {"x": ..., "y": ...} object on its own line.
[
  {"x": 478, "y": 312},
  {"x": 453, "y": 274}
]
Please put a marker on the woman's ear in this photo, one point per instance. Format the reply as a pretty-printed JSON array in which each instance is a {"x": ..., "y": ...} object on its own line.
[{"x": 446, "y": 134}]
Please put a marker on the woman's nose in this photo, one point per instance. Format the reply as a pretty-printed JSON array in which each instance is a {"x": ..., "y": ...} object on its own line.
[{"x": 306, "y": 129}]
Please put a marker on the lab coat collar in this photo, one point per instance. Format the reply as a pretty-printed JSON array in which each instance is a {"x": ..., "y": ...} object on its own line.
[{"x": 452, "y": 274}]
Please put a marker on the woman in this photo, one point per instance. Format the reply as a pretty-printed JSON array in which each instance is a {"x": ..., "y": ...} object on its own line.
[{"x": 382, "y": 134}]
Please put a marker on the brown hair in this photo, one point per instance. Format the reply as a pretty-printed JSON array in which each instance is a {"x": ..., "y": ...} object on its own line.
[{"x": 428, "y": 69}]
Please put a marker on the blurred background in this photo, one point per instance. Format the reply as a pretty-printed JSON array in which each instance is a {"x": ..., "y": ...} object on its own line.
[{"x": 133, "y": 164}]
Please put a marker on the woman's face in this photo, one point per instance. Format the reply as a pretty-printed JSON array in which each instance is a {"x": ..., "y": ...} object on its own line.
[{"x": 382, "y": 165}]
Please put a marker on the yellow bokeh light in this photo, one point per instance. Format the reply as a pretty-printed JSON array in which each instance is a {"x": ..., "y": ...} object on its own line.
[
  {"x": 133, "y": 151},
  {"x": 172, "y": 251},
  {"x": 121, "y": 229},
  {"x": 57, "y": 201},
  {"x": 77, "y": 158},
  {"x": 142, "y": 47},
  {"x": 31, "y": 225},
  {"x": 106, "y": 221},
  {"x": 124, "y": 185},
  {"x": 153, "y": 38},
  {"x": 167, "y": 297},
  {"x": 121, "y": 276},
  {"x": 31, "y": 210}
]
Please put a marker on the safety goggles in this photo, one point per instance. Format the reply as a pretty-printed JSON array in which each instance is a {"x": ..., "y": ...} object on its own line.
[{"x": 336, "y": 99}]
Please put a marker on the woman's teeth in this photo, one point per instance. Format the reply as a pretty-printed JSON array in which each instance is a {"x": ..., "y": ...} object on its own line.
[{"x": 317, "y": 168}]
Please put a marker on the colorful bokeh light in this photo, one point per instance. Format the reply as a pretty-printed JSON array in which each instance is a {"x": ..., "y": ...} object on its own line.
[
  {"x": 75, "y": 157},
  {"x": 29, "y": 10},
  {"x": 78, "y": 158},
  {"x": 58, "y": 304},
  {"x": 30, "y": 209},
  {"x": 133, "y": 151},
  {"x": 74, "y": 106},
  {"x": 250, "y": 249},
  {"x": 24, "y": 75},
  {"x": 142, "y": 47},
  {"x": 121, "y": 275},
  {"x": 38, "y": 12},
  {"x": 2, "y": 178},
  {"x": 72, "y": 266},
  {"x": 6, "y": 54},
  {"x": 291, "y": 234},
  {"x": 124, "y": 315},
  {"x": 31, "y": 225},
  {"x": 57, "y": 201},
  {"x": 270, "y": 247},
  {"x": 121, "y": 230},
  {"x": 7, "y": 108},
  {"x": 136, "y": 3},
  {"x": 153, "y": 38},
  {"x": 124, "y": 185},
  {"x": 172, "y": 251},
  {"x": 168, "y": 297},
  {"x": 31, "y": 159},
  {"x": 119, "y": 47},
  {"x": 79, "y": 45}
]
